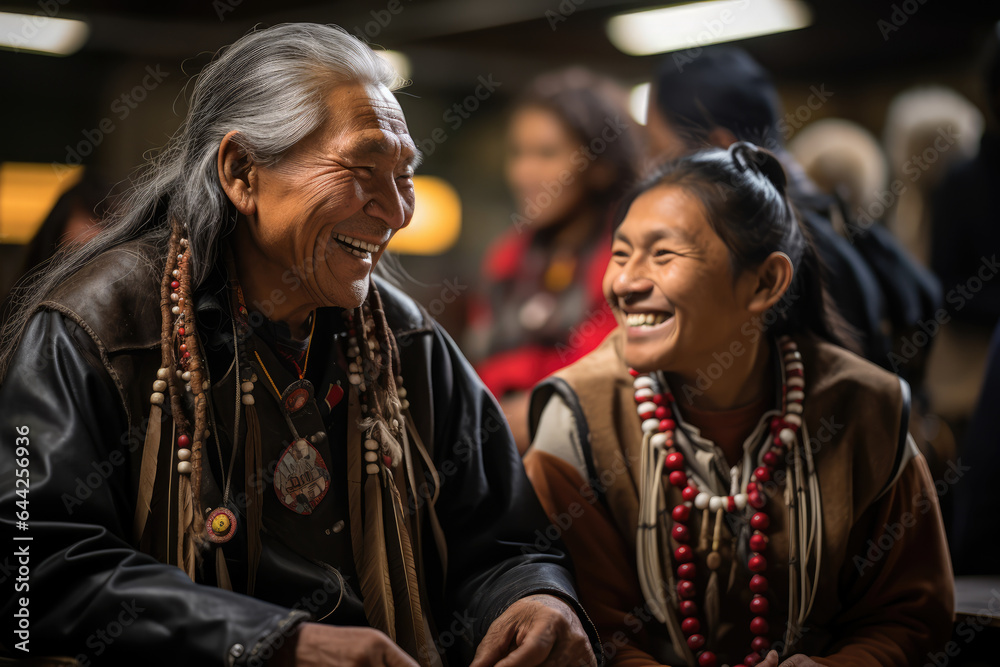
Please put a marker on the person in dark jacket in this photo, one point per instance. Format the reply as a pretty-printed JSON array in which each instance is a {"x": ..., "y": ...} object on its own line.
[
  {"x": 965, "y": 226},
  {"x": 966, "y": 235},
  {"x": 223, "y": 442},
  {"x": 723, "y": 96}
]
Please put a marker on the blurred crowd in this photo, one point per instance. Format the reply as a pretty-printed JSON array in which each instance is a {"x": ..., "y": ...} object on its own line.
[{"x": 907, "y": 228}]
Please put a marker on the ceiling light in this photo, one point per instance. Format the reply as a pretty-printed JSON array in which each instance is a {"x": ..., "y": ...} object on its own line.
[
  {"x": 42, "y": 34},
  {"x": 698, "y": 24}
]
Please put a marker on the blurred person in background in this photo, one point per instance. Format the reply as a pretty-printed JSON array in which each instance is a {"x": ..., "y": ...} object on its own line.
[
  {"x": 75, "y": 219},
  {"x": 846, "y": 163},
  {"x": 974, "y": 539},
  {"x": 843, "y": 159},
  {"x": 965, "y": 237},
  {"x": 572, "y": 152},
  {"x": 927, "y": 129},
  {"x": 965, "y": 232},
  {"x": 723, "y": 96}
]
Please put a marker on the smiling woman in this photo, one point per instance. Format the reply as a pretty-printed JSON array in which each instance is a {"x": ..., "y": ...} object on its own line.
[
  {"x": 707, "y": 244},
  {"x": 731, "y": 475}
]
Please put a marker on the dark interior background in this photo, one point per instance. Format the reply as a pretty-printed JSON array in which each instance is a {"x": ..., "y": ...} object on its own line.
[{"x": 50, "y": 102}]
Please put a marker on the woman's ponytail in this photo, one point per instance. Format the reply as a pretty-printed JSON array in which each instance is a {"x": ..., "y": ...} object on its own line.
[{"x": 811, "y": 308}]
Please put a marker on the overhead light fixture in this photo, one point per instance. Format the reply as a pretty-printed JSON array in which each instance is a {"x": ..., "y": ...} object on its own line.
[
  {"x": 398, "y": 60},
  {"x": 38, "y": 33},
  {"x": 638, "y": 102},
  {"x": 698, "y": 24},
  {"x": 436, "y": 222}
]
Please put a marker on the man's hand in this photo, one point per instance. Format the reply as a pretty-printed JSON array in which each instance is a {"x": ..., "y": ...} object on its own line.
[
  {"x": 797, "y": 660},
  {"x": 537, "y": 631},
  {"x": 317, "y": 645}
]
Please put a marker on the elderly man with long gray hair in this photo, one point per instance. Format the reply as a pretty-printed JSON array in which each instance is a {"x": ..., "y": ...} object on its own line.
[{"x": 224, "y": 442}]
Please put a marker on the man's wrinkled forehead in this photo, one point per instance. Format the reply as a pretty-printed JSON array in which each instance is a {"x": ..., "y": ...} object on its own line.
[{"x": 367, "y": 110}]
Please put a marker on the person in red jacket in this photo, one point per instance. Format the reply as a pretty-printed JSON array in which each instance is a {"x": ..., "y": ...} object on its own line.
[{"x": 572, "y": 152}]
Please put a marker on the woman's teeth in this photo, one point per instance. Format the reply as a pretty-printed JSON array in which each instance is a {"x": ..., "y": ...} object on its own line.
[{"x": 645, "y": 319}]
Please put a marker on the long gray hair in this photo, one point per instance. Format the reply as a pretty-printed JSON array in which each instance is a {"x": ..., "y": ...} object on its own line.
[{"x": 270, "y": 85}]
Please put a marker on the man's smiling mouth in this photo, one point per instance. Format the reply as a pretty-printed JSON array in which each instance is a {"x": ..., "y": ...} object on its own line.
[{"x": 356, "y": 247}]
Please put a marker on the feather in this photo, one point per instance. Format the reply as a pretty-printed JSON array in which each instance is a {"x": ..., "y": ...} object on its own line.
[
  {"x": 185, "y": 514},
  {"x": 170, "y": 487},
  {"x": 147, "y": 472},
  {"x": 390, "y": 443},
  {"x": 222, "y": 571},
  {"x": 439, "y": 539},
  {"x": 405, "y": 568},
  {"x": 367, "y": 530},
  {"x": 255, "y": 496},
  {"x": 375, "y": 578}
]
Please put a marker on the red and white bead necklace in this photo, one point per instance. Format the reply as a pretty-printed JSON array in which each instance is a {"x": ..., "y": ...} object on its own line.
[{"x": 656, "y": 410}]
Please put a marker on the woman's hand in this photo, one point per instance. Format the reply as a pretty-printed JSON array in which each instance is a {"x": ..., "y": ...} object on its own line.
[
  {"x": 797, "y": 660},
  {"x": 318, "y": 645}
]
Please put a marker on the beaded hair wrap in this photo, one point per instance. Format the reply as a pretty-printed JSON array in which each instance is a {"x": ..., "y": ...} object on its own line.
[
  {"x": 181, "y": 371},
  {"x": 382, "y": 408},
  {"x": 384, "y": 552}
]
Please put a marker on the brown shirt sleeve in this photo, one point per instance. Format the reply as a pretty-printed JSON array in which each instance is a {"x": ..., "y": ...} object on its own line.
[
  {"x": 897, "y": 583},
  {"x": 605, "y": 571}
]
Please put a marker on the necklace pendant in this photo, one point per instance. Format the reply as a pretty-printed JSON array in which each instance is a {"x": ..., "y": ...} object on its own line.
[
  {"x": 220, "y": 525},
  {"x": 301, "y": 478},
  {"x": 296, "y": 396}
]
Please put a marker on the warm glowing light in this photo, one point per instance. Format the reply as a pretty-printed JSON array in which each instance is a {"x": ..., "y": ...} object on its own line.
[
  {"x": 28, "y": 192},
  {"x": 437, "y": 219}
]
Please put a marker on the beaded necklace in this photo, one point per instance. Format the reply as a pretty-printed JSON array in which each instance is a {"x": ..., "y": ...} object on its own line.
[
  {"x": 656, "y": 408},
  {"x": 221, "y": 524},
  {"x": 182, "y": 382},
  {"x": 356, "y": 367}
]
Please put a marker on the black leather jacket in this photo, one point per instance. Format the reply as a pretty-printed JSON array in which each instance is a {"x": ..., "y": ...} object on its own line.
[{"x": 79, "y": 387}]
